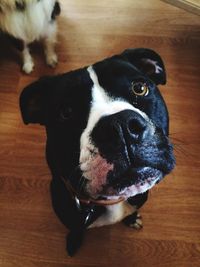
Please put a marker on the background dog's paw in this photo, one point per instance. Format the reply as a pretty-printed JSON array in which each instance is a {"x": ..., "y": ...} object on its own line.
[
  {"x": 52, "y": 60},
  {"x": 74, "y": 241},
  {"x": 134, "y": 221},
  {"x": 28, "y": 67}
]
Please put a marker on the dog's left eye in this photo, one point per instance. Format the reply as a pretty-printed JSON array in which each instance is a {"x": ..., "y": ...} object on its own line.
[
  {"x": 140, "y": 88},
  {"x": 65, "y": 113}
]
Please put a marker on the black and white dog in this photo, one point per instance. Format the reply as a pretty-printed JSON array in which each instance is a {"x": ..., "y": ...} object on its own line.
[
  {"x": 28, "y": 21},
  {"x": 107, "y": 138}
]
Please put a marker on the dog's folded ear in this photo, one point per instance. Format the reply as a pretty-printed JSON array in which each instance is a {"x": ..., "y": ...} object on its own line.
[
  {"x": 148, "y": 62},
  {"x": 34, "y": 101}
]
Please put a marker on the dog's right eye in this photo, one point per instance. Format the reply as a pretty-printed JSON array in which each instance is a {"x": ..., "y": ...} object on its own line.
[
  {"x": 65, "y": 113},
  {"x": 140, "y": 88}
]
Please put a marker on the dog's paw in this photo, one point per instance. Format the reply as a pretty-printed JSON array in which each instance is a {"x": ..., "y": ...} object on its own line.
[
  {"x": 74, "y": 241},
  {"x": 138, "y": 224},
  {"x": 28, "y": 66},
  {"x": 52, "y": 60},
  {"x": 134, "y": 221}
]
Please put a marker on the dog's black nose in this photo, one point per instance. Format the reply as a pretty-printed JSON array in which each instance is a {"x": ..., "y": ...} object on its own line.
[{"x": 114, "y": 129}]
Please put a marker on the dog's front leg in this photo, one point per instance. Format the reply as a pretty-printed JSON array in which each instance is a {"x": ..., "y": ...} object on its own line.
[
  {"x": 74, "y": 215},
  {"x": 49, "y": 46},
  {"x": 134, "y": 220},
  {"x": 74, "y": 241},
  {"x": 28, "y": 63},
  {"x": 85, "y": 215}
]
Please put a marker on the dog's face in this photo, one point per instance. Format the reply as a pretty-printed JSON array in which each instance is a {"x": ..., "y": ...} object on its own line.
[{"x": 107, "y": 125}]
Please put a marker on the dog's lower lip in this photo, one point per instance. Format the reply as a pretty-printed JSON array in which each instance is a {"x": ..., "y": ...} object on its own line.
[
  {"x": 134, "y": 180},
  {"x": 136, "y": 176},
  {"x": 126, "y": 191}
]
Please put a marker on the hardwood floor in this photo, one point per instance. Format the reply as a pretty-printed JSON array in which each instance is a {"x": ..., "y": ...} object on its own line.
[{"x": 30, "y": 233}]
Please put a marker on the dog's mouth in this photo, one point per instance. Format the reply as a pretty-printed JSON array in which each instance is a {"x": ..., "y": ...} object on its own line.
[
  {"x": 102, "y": 182},
  {"x": 134, "y": 181}
]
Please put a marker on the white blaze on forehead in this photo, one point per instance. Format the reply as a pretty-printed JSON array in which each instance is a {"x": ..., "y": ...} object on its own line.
[{"x": 103, "y": 105}]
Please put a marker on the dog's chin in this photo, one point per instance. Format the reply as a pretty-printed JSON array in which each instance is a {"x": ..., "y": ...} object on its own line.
[{"x": 137, "y": 181}]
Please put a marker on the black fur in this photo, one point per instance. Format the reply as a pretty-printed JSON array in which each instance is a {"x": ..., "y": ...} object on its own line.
[
  {"x": 56, "y": 11},
  {"x": 62, "y": 103},
  {"x": 20, "y": 5}
]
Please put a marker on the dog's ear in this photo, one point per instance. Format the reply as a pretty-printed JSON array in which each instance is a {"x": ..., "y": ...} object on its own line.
[
  {"x": 34, "y": 101},
  {"x": 147, "y": 61}
]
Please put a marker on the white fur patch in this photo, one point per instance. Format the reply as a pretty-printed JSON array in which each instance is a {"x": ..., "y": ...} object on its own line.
[
  {"x": 114, "y": 213},
  {"x": 32, "y": 23}
]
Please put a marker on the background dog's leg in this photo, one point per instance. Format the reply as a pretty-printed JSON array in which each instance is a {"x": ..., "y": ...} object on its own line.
[
  {"x": 49, "y": 43},
  {"x": 28, "y": 63}
]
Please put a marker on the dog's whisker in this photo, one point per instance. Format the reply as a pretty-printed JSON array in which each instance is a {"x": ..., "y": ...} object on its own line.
[
  {"x": 178, "y": 148},
  {"x": 182, "y": 151},
  {"x": 177, "y": 141}
]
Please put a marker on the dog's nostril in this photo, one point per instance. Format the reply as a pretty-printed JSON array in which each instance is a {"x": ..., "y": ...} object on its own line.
[{"x": 136, "y": 127}]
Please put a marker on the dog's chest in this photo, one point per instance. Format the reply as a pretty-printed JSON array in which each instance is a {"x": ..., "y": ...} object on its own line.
[{"x": 114, "y": 213}]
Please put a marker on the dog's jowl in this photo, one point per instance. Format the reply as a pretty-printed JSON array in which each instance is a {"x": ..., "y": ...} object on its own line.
[{"x": 107, "y": 139}]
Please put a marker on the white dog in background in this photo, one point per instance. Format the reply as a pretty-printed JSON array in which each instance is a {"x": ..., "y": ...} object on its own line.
[{"x": 28, "y": 21}]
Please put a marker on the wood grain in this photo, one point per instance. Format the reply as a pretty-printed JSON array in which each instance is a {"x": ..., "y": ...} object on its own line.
[{"x": 30, "y": 233}]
